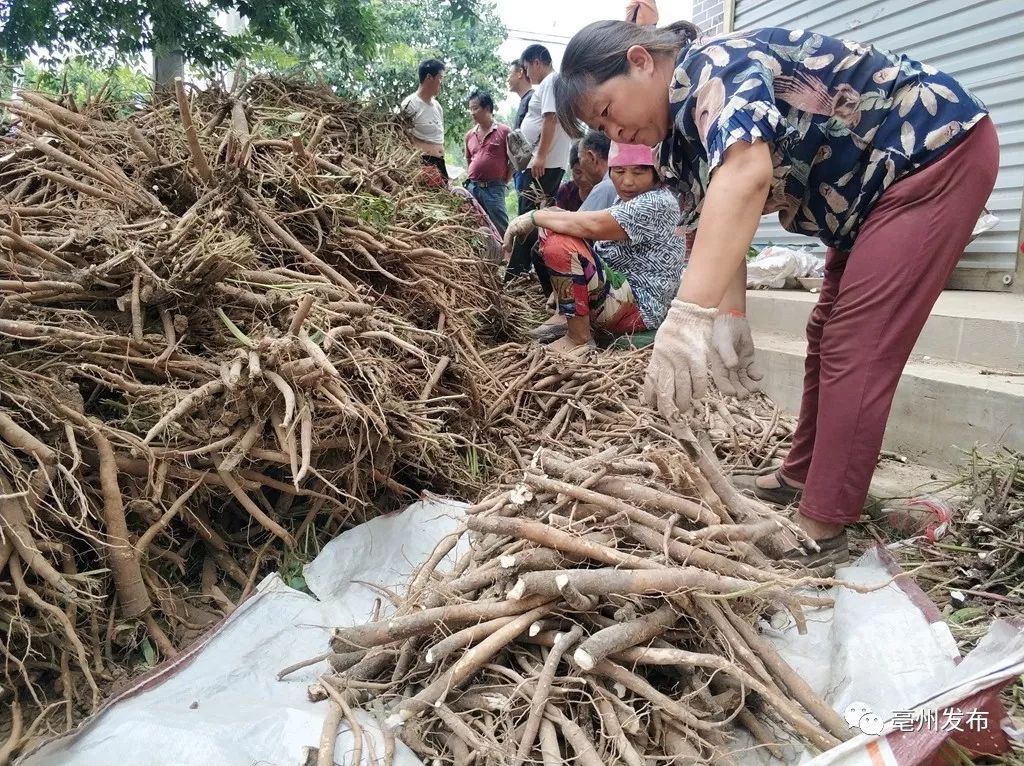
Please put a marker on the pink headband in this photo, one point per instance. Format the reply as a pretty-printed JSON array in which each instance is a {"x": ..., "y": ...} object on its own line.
[{"x": 622, "y": 155}]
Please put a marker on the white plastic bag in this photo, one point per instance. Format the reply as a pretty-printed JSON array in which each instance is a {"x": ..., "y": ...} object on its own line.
[
  {"x": 986, "y": 222},
  {"x": 886, "y": 650},
  {"x": 774, "y": 265}
]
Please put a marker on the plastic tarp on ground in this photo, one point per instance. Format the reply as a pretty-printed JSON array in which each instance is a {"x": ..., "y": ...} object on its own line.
[{"x": 220, "y": 703}]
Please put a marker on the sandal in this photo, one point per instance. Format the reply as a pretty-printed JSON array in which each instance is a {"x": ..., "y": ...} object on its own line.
[
  {"x": 832, "y": 552},
  {"x": 785, "y": 494},
  {"x": 575, "y": 351},
  {"x": 548, "y": 333}
]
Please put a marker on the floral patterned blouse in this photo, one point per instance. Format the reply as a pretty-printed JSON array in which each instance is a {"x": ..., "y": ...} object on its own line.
[{"x": 844, "y": 122}]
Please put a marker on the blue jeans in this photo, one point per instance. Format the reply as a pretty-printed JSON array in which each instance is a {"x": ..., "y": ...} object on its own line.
[
  {"x": 523, "y": 257},
  {"x": 519, "y": 179},
  {"x": 492, "y": 200}
]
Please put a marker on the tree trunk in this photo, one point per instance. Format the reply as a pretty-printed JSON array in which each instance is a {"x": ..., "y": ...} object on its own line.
[
  {"x": 168, "y": 59},
  {"x": 166, "y": 66}
]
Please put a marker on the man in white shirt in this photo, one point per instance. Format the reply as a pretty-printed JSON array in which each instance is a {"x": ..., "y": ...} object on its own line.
[
  {"x": 550, "y": 155},
  {"x": 427, "y": 115}
]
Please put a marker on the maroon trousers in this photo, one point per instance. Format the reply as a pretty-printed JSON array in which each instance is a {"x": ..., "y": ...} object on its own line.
[{"x": 872, "y": 308}]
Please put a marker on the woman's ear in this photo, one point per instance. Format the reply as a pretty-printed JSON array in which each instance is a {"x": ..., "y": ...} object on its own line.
[{"x": 640, "y": 59}]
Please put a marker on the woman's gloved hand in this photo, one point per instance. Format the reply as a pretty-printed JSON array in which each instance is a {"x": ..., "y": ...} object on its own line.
[
  {"x": 518, "y": 228},
  {"x": 678, "y": 371},
  {"x": 733, "y": 366}
]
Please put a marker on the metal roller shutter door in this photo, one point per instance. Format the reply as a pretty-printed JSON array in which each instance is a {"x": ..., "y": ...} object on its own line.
[{"x": 982, "y": 44}]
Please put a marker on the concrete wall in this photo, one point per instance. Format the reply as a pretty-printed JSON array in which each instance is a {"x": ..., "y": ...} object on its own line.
[
  {"x": 709, "y": 15},
  {"x": 940, "y": 410},
  {"x": 962, "y": 387}
]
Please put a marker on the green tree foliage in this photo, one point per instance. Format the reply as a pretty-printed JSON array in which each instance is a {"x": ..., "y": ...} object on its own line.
[
  {"x": 120, "y": 84},
  {"x": 114, "y": 30},
  {"x": 465, "y": 35},
  {"x": 369, "y": 49}
]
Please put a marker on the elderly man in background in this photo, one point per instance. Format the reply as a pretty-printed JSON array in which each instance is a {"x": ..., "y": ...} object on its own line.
[
  {"x": 427, "y": 116},
  {"x": 593, "y": 149},
  {"x": 487, "y": 158}
]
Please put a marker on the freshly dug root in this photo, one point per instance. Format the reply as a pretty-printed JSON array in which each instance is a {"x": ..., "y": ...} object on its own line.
[
  {"x": 211, "y": 341},
  {"x": 610, "y": 723},
  {"x": 564, "y": 542},
  {"x": 628, "y": 582},
  {"x": 396, "y": 629},
  {"x": 194, "y": 399},
  {"x": 132, "y": 594},
  {"x": 631, "y": 646},
  {"x": 586, "y": 752},
  {"x": 786, "y": 708},
  {"x": 789, "y": 681},
  {"x": 466, "y": 665},
  {"x": 14, "y": 736},
  {"x": 464, "y": 638},
  {"x": 625, "y": 635},
  {"x": 329, "y": 735},
  {"x": 539, "y": 703},
  {"x": 551, "y": 753},
  {"x": 630, "y": 493},
  {"x": 221, "y": 345},
  {"x": 14, "y": 526}
]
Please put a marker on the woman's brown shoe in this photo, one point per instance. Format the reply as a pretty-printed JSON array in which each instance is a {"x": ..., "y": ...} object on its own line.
[
  {"x": 785, "y": 494},
  {"x": 832, "y": 552}
]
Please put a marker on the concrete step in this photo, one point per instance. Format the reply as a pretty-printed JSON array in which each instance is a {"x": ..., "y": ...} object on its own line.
[
  {"x": 981, "y": 329},
  {"x": 940, "y": 408}
]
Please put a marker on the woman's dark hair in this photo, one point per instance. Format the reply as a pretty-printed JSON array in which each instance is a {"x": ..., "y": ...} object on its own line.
[
  {"x": 686, "y": 31},
  {"x": 483, "y": 98},
  {"x": 597, "y": 53},
  {"x": 430, "y": 67}
]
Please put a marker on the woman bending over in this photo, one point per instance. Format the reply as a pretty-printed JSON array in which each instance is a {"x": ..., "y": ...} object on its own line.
[{"x": 885, "y": 159}]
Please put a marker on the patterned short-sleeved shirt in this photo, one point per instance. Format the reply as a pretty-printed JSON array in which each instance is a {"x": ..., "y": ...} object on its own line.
[
  {"x": 843, "y": 120},
  {"x": 651, "y": 258}
]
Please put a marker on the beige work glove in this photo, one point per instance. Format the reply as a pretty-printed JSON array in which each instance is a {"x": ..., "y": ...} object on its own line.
[
  {"x": 733, "y": 366},
  {"x": 520, "y": 227},
  {"x": 678, "y": 371}
]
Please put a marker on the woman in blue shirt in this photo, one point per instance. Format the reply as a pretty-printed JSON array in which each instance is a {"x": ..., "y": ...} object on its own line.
[{"x": 888, "y": 161}]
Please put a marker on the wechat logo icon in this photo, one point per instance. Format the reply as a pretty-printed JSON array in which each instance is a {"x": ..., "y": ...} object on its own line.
[{"x": 860, "y": 717}]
